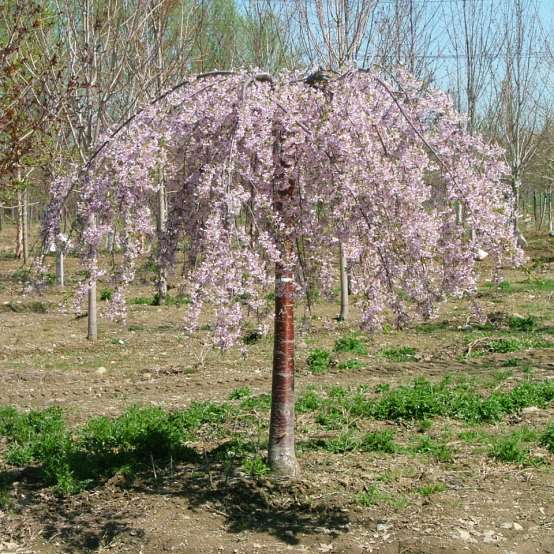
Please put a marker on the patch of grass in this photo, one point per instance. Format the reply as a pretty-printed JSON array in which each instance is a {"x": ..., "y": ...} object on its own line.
[
  {"x": 260, "y": 402},
  {"x": 436, "y": 449},
  {"x": 518, "y": 323},
  {"x": 373, "y": 496},
  {"x": 136, "y": 327},
  {"x": 473, "y": 436},
  {"x": 514, "y": 448},
  {"x": 424, "y": 400},
  {"x": 512, "y": 362},
  {"x": 547, "y": 437},
  {"x": 432, "y": 326},
  {"x": 256, "y": 466},
  {"x": 103, "y": 447},
  {"x": 319, "y": 361},
  {"x": 309, "y": 401},
  {"x": 503, "y": 345},
  {"x": 378, "y": 441},
  {"x": 21, "y": 275},
  {"x": 431, "y": 488},
  {"x": 141, "y": 301},
  {"x": 240, "y": 392},
  {"x": 345, "y": 442},
  {"x": 424, "y": 425},
  {"x": 398, "y": 353},
  {"x": 169, "y": 300},
  {"x": 351, "y": 364},
  {"x": 106, "y": 294},
  {"x": 252, "y": 337},
  {"x": 546, "y": 285},
  {"x": 352, "y": 344}
]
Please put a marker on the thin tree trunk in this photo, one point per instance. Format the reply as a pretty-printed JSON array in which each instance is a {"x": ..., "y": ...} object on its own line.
[
  {"x": 535, "y": 214},
  {"x": 550, "y": 228},
  {"x": 281, "y": 452},
  {"x": 19, "y": 236},
  {"x": 162, "y": 224},
  {"x": 1, "y": 217},
  {"x": 343, "y": 286},
  {"x": 25, "y": 227},
  {"x": 92, "y": 333},
  {"x": 59, "y": 269},
  {"x": 59, "y": 264}
]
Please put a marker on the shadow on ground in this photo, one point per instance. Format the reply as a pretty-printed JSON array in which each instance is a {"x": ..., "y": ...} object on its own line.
[{"x": 93, "y": 519}]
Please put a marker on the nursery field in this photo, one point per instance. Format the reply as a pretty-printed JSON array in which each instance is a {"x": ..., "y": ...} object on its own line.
[{"x": 435, "y": 438}]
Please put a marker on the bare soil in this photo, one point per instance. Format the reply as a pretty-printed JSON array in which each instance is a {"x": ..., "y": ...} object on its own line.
[{"x": 486, "y": 506}]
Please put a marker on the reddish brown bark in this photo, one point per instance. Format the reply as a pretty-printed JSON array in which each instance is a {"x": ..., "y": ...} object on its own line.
[{"x": 281, "y": 452}]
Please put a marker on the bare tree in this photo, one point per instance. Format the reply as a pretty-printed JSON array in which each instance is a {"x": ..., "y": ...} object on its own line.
[{"x": 520, "y": 92}]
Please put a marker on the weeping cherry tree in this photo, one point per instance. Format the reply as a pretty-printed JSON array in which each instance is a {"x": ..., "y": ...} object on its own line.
[{"x": 257, "y": 162}]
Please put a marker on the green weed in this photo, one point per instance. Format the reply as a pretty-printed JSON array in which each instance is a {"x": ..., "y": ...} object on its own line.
[
  {"x": 309, "y": 401},
  {"x": 431, "y": 488},
  {"x": 547, "y": 438},
  {"x": 436, "y": 449},
  {"x": 372, "y": 496},
  {"x": 319, "y": 361},
  {"x": 240, "y": 392},
  {"x": 256, "y": 466},
  {"x": 514, "y": 447},
  {"x": 106, "y": 294},
  {"x": 518, "y": 323},
  {"x": 378, "y": 441},
  {"x": 398, "y": 353},
  {"x": 351, "y": 343},
  {"x": 351, "y": 364},
  {"x": 260, "y": 402}
]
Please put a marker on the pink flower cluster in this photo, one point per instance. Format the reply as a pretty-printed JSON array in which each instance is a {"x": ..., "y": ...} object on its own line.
[{"x": 379, "y": 167}]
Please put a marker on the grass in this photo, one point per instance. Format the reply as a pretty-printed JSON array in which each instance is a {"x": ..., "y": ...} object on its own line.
[
  {"x": 515, "y": 448},
  {"x": 423, "y": 399},
  {"x": 178, "y": 300},
  {"x": 503, "y": 345},
  {"x": 398, "y": 353},
  {"x": 373, "y": 496},
  {"x": 351, "y": 364},
  {"x": 438, "y": 450},
  {"x": 431, "y": 488},
  {"x": 73, "y": 459},
  {"x": 547, "y": 438},
  {"x": 352, "y": 344},
  {"x": 319, "y": 361}
]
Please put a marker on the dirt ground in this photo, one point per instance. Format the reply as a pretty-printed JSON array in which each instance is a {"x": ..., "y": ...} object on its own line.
[{"x": 484, "y": 506}]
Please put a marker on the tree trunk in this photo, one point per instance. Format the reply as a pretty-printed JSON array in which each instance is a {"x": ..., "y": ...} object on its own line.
[
  {"x": 59, "y": 264},
  {"x": 281, "y": 452},
  {"x": 162, "y": 224},
  {"x": 343, "y": 286},
  {"x": 282, "y": 457},
  {"x": 550, "y": 228},
  {"x": 19, "y": 236},
  {"x": 535, "y": 213},
  {"x": 516, "y": 188},
  {"x": 25, "y": 227},
  {"x": 92, "y": 333}
]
